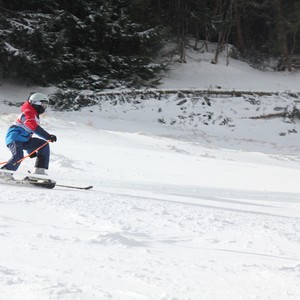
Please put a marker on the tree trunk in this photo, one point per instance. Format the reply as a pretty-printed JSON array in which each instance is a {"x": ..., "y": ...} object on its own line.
[
  {"x": 239, "y": 31},
  {"x": 181, "y": 12},
  {"x": 282, "y": 37}
]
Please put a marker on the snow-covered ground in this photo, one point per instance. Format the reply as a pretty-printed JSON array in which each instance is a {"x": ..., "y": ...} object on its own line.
[
  {"x": 200, "y": 73},
  {"x": 182, "y": 211}
]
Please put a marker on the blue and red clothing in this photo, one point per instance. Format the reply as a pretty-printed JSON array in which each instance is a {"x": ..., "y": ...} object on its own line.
[
  {"x": 25, "y": 126},
  {"x": 19, "y": 138}
]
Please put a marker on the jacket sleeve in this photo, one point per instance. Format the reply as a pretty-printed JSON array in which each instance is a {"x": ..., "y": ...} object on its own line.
[{"x": 42, "y": 133}]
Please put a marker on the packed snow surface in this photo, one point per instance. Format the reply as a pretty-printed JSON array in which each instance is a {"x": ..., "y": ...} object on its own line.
[{"x": 180, "y": 209}]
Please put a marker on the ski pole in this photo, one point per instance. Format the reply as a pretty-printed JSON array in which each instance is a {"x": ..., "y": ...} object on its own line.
[{"x": 37, "y": 149}]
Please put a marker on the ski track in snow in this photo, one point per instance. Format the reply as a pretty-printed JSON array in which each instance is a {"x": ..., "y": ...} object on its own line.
[{"x": 150, "y": 244}]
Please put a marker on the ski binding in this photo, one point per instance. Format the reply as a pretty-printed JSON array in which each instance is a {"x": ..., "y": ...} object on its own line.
[{"x": 40, "y": 182}]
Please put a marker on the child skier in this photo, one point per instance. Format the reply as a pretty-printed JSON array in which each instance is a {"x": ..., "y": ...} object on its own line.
[{"x": 19, "y": 136}]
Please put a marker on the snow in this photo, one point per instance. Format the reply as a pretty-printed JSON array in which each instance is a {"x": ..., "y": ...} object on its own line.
[
  {"x": 201, "y": 73},
  {"x": 182, "y": 211}
]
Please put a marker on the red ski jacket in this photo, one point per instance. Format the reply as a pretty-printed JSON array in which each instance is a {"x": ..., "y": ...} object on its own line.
[{"x": 25, "y": 126}]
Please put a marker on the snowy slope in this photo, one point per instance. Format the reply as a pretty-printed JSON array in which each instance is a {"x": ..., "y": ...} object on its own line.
[
  {"x": 177, "y": 212},
  {"x": 198, "y": 72}
]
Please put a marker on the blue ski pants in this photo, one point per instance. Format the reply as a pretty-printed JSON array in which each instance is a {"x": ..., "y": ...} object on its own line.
[{"x": 17, "y": 148}]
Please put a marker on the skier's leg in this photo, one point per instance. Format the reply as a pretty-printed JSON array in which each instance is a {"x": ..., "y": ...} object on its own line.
[
  {"x": 16, "y": 149},
  {"x": 43, "y": 155}
]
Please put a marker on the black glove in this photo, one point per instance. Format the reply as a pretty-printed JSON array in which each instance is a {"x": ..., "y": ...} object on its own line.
[
  {"x": 34, "y": 154},
  {"x": 52, "y": 138}
]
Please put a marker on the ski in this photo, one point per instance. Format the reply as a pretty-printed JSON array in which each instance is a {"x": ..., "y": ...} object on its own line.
[
  {"x": 37, "y": 181},
  {"x": 31, "y": 181},
  {"x": 43, "y": 183},
  {"x": 75, "y": 187},
  {"x": 40, "y": 182}
]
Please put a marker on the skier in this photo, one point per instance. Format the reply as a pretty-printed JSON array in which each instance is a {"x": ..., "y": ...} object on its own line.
[{"x": 19, "y": 136}]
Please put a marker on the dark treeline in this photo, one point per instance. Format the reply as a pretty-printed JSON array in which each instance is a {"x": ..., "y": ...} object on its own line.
[
  {"x": 101, "y": 44},
  {"x": 269, "y": 28}
]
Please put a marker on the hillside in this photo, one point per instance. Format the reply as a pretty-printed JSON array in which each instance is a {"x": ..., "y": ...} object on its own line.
[{"x": 191, "y": 200}]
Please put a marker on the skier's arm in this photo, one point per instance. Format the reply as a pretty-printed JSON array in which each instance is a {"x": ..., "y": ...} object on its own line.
[
  {"x": 42, "y": 133},
  {"x": 45, "y": 135}
]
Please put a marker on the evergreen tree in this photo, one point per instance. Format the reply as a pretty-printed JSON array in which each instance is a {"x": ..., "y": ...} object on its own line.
[{"x": 80, "y": 44}]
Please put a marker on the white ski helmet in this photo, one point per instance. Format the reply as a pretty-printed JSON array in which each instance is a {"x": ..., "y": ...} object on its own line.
[{"x": 38, "y": 99}]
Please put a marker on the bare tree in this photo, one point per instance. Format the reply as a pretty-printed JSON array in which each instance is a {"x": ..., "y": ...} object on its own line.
[
  {"x": 224, "y": 23},
  {"x": 238, "y": 23},
  {"x": 183, "y": 14},
  {"x": 282, "y": 37}
]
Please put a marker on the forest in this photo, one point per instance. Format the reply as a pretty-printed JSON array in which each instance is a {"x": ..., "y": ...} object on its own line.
[{"x": 96, "y": 44}]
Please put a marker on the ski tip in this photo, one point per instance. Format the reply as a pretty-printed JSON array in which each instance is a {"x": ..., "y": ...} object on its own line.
[{"x": 75, "y": 187}]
